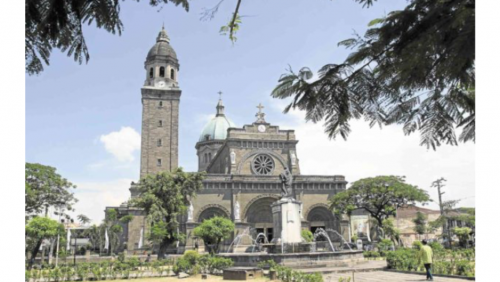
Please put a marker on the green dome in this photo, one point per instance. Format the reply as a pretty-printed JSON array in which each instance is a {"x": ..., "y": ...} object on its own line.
[{"x": 216, "y": 129}]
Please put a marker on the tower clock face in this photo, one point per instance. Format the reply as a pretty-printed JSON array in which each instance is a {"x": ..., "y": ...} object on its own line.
[
  {"x": 262, "y": 128},
  {"x": 161, "y": 84}
]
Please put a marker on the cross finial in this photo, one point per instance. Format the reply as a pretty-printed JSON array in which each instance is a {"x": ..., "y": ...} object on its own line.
[
  {"x": 163, "y": 25},
  {"x": 260, "y": 115},
  {"x": 260, "y": 107},
  {"x": 220, "y": 94}
]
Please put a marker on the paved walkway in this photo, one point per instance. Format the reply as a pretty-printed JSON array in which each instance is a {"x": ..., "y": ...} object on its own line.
[{"x": 386, "y": 276}]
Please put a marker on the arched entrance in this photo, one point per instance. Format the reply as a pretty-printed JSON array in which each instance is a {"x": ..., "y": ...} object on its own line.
[
  {"x": 260, "y": 217},
  {"x": 212, "y": 211},
  {"x": 321, "y": 217}
]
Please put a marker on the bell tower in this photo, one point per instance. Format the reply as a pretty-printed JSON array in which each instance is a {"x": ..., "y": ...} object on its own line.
[{"x": 160, "y": 108}]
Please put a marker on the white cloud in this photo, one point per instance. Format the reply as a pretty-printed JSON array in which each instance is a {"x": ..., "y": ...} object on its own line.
[
  {"x": 122, "y": 144},
  {"x": 371, "y": 152},
  {"x": 94, "y": 197}
]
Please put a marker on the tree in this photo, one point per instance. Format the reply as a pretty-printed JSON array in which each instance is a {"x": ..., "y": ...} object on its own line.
[
  {"x": 379, "y": 196},
  {"x": 420, "y": 224},
  {"x": 307, "y": 235},
  {"x": 414, "y": 67},
  {"x": 213, "y": 231},
  {"x": 40, "y": 228},
  {"x": 83, "y": 219},
  {"x": 164, "y": 198},
  {"x": 391, "y": 232},
  {"x": 59, "y": 24},
  {"x": 463, "y": 234},
  {"x": 112, "y": 225},
  {"x": 44, "y": 189}
]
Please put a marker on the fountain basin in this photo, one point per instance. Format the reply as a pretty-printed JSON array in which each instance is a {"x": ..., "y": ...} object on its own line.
[
  {"x": 242, "y": 273},
  {"x": 296, "y": 259}
]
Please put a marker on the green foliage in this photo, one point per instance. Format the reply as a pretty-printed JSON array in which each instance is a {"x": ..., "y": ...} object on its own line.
[
  {"x": 463, "y": 234},
  {"x": 354, "y": 238},
  {"x": 384, "y": 245},
  {"x": 287, "y": 274},
  {"x": 436, "y": 247},
  {"x": 164, "y": 197},
  {"x": 344, "y": 279},
  {"x": 379, "y": 196},
  {"x": 420, "y": 223},
  {"x": 58, "y": 24},
  {"x": 213, "y": 231},
  {"x": 126, "y": 219},
  {"x": 390, "y": 230},
  {"x": 193, "y": 263},
  {"x": 307, "y": 235},
  {"x": 457, "y": 262},
  {"x": 44, "y": 189},
  {"x": 417, "y": 245},
  {"x": 39, "y": 228},
  {"x": 373, "y": 254},
  {"x": 414, "y": 67}
]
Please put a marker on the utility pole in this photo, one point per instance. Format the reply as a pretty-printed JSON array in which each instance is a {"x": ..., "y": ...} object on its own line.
[{"x": 440, "y": 184}]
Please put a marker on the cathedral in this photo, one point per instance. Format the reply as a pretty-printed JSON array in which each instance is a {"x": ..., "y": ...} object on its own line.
[{"x": 243, "y": 163}]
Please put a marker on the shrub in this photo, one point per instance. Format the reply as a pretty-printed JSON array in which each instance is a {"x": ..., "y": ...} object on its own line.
[
  {"x": 384, "y": 245},
  {"x": 215, "y": 265},
  {"x": 307, "y": 235},
  {"x": 417, "y": 245},
  {"x": 191, "y": 256}
]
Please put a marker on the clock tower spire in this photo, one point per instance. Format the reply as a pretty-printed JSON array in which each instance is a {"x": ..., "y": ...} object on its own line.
[{"x": 160, "y": 108}]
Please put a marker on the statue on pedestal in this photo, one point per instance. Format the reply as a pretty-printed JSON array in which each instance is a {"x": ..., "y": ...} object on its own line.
[{"x": 286, "y": 181}]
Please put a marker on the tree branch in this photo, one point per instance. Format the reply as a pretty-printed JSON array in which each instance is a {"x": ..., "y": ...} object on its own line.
[{"x": 235, "y": 15}]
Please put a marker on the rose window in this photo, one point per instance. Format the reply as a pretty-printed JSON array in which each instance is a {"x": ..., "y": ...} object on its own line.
[{"x": 263, "y": 164}]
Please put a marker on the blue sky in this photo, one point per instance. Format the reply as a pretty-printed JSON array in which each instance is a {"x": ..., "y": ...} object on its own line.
[{"x": 84, "y": 119}]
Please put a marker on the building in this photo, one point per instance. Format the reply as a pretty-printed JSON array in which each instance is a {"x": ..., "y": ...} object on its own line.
[{"x": 242, "y": 163}]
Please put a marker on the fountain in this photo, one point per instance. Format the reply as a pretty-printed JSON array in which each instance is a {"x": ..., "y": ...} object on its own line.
[
  {"x": 322, "y": 232},
  {"x": 288, "y": 247}
]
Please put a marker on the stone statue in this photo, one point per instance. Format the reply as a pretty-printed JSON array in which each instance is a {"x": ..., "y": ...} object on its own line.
[
  {"x": 286, "y": 181},
  {"x": 190, "y": 211},
  {"x": 237, "y": 211}
]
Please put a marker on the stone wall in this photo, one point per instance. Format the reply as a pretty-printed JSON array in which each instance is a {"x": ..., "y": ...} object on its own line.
[{"x": 159, "y": 122}]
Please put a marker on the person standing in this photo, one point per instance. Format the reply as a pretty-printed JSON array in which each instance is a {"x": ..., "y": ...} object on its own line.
[{"x": 425, "y": 256}]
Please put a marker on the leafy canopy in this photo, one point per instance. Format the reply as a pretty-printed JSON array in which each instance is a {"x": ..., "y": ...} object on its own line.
[
  {"x": 59, "y": 24},
  {"x": 43, "y": 228},
  {"x": 414, "y": 67},
  {"x": 379, "y": 196},
  {"x": 164, "y": 197},
  {"x": 44, "y": 189},
  {"x": 214, "y": 230},
  {"x": 420, "y": 223}
]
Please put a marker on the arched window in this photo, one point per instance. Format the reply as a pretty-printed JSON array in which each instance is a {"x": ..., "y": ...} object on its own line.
[
  {"x": 205, "y": 158},
  {"x": 158, "y": 143},
  {"x": 161, "y": 104},
  {"x": 151, "y": 73},
  {"x": 172, "y": 74},
  {"x": 160, "y": 123},
  {"x": 209, "y": 157},
  {"x": 162, "y": 71},
  {"x": 158, "y": 162}
]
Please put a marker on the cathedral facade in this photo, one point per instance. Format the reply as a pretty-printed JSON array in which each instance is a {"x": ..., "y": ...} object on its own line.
[{"x": 242, "y": 163}]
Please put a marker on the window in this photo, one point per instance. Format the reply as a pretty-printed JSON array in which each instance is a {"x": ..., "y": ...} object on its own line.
[
  {"x": 162, "y": 71},
  {"x": 161, "y": 104},
  {"x": 207, "y": 137},
  {"x": 160, "y": 123},
  {"x": 151, "y": 73},
  {"x": 172, "y": 74},
  {"x": 263, "y": 165},
  {"x": 209, "y": 157},
  {"x": 158, "y": 162},
  {"x": 205, "y": 158},
  {"x": 158, "y": 143}
]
